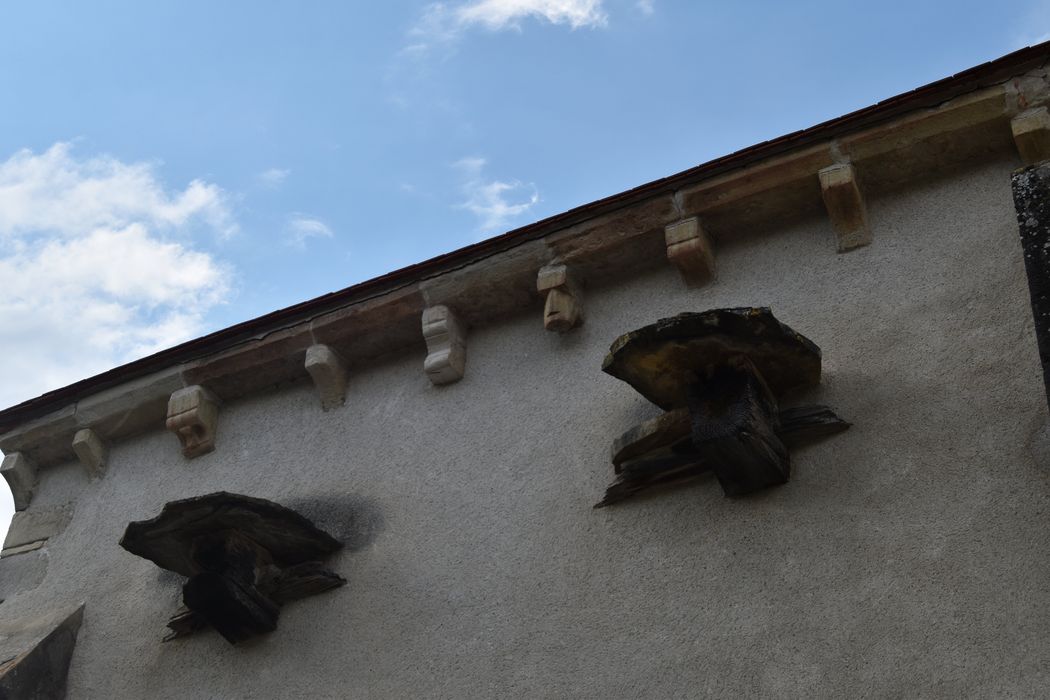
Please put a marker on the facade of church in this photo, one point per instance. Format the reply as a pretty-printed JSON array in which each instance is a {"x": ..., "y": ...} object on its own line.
[{"x": 407, "y": 469}]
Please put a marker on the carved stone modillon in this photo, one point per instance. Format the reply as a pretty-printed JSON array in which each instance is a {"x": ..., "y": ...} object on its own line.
[
  {"x": 327, "y": 370},
  {"x": 91, "y": 452},
  {"x": 244, "y": 558},
  {"x": 845, "y": 205},
  {"x": 563, "y": 308},
  {"x": 690, "y": 250},
  {"x": 446, "y": 345},
  {"x": 719, "y": 374},
  {"x": 1031, "y": 130},
  {"x": 20, "y": 473},
  {"x": 193, "y": 413}
]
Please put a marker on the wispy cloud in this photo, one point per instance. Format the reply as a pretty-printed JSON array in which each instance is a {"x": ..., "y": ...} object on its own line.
[
  {"x": 98, "y": 264},
  {"x": 646, "y": 6},
  {"x": 302, "y": 228},
  {"x": 272, "y": 178},
  {"x": 500, "y": 14},
  {"x": 495, "y": 203},
  {"x": 443, "y": 24}
]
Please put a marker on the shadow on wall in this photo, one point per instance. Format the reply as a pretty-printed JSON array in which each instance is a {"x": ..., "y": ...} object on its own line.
[{"x": 353, "y": 520}]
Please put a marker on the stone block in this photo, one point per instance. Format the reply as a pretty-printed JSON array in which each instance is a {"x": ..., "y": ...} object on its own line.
[
  {"x": 372, "y": 329},
  {"x": 327, "y": 370},
  {"x": 599, "y": 249},
  {"x": 845, "y": 205},
  {"x": 131, "y": 407},
  {"x": 490, "y": 289},
  {"x": 563, "y": 308},
  {"x": 764, "y": 180},
  {"x": 45, "y": 440},
  {"x": 22, "y": 548},
  {"x": 22, "y": 571},
  {"x": 253, "y": 365},
  {"x": 91, "y": 451},
  {"x": 193, "y": 415},
  {"x": 446, "y": 345},
  {"x": 21, "y": 474},
  {"x": 689, "y": 249},
  {"x": 1031, "y": 130},
  {"x": 37, "y": 654},
  {"x": 37, "y": 524}
]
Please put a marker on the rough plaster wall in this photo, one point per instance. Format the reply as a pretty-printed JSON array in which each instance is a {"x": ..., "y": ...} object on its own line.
[{"x": 904, "y": 559}]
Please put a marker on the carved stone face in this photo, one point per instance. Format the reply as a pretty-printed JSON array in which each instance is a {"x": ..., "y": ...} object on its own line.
[
  {"x": 561, "y": 312},
  {"x": 194, "y": 435},
  {"x": 192, "y": 416}
]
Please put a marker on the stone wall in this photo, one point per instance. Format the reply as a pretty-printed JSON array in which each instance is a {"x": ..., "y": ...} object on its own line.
[{"x": 904, "y": 558}]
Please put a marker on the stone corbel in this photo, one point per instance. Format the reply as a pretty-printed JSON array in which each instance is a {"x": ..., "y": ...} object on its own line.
[
  {"x": 21, "y": 474},
  {"x": 91, "y": 451},
  {"x": 327, "y": 370},
  {"x": 563, "y": 309},
  {"x": 845, "y": 205},
  {"x": 690, "y": 250},
  {"x": 193, "y": 413},
  {"x": 446, "y": 345},
  {"x": 1031, "y": 131}
]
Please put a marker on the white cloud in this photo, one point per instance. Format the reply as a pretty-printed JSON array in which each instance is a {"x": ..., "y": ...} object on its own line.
[
  {"x": 442, "y": 25},
  {"x": 54, "y": 192},
  {"x": 302, "y": 228},
  {"x": 646, "y": 6},
  {"x": 494, "y": 202},
  {"x": 97, "y": 266},
  {"x": 500, "y": 14},
  {"x": 273, "y": 178}
]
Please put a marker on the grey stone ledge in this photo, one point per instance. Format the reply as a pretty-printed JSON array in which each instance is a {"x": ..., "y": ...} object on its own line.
[{"x": 22, "y": 548}]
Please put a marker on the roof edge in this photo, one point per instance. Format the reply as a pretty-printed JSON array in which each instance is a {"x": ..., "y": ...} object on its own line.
[{"x": 930, "y": 96}]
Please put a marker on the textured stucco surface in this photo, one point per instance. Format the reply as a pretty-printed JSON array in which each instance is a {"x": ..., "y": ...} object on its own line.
[{"x": 905, "y": 558}]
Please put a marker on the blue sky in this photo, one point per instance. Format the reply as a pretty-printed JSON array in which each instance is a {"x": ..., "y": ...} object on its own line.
[{"x": 171, "y": 168}]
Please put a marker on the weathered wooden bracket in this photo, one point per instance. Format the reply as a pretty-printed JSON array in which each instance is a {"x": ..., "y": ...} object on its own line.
[
  {"x": 563, "y": 308},
  {"x": 1031, "y": 189},
  {"x": 21, "y": 475},
  {"x": 845, "y": 205},
  {"x": 719, "y": 375},
  {"x": 244, "y": 558},
  {"x": 446, "y": 345},
  {"x": 193, "y": 413},
  {"x": 1031, "y": 131},
  {"x": 327, "y": 370},
  {"x": 690, "y": 250},
  {"x": 91, "y": 451}
]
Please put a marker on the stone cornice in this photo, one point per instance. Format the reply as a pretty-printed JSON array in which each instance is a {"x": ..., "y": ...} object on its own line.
[{"x": 964, "y": 119}]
